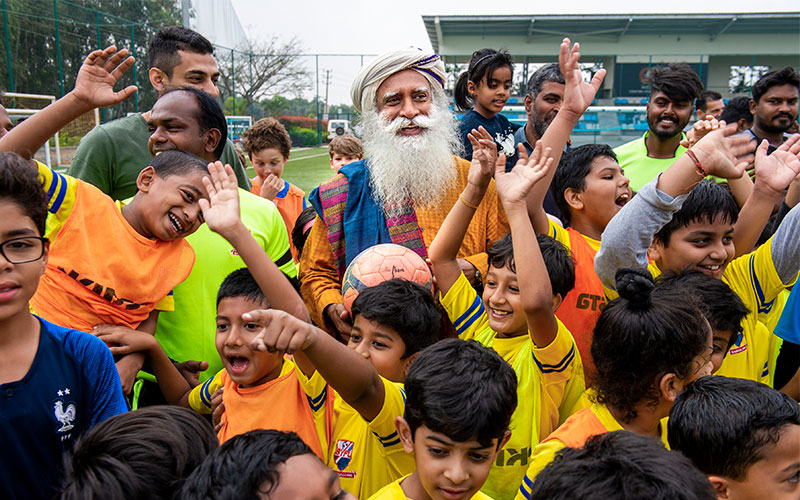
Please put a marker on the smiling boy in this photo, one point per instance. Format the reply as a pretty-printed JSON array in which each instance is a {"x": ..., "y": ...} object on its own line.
[{"x": 679, "y": 220}]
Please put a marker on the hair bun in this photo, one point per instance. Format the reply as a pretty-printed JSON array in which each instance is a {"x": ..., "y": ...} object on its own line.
[{"x": 634, "y": 285}]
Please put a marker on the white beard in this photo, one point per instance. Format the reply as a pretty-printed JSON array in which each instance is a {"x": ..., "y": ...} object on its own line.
[{"x": 419, "y": 167}]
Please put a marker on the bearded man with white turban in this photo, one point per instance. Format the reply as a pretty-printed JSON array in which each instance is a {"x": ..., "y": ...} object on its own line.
[{"x": 402, "y": 191}]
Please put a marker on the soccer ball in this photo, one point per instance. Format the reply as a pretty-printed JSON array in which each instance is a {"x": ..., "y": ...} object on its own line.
[{"x": 381, "y": 263}]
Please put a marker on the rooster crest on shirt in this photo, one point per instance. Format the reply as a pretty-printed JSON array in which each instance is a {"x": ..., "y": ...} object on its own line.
[{"x": 64, "y": 416}]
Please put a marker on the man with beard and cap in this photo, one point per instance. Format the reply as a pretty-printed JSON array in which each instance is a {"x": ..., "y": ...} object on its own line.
[
  {"x": 545, "y": 94},
  {"x": 774, "y": 106},
  {"x": 673, "y": 90},
  {"x": 404, "y": 189}
]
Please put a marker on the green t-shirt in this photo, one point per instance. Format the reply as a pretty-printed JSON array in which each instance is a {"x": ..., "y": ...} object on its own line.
[
  {"x": 187, "y": 333},
  {"x": 640, "y": 168},
  {"x": 111, "y": 156}
]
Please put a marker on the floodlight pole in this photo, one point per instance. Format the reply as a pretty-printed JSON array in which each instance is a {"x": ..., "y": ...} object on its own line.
[{"x": 8, "y": 50}]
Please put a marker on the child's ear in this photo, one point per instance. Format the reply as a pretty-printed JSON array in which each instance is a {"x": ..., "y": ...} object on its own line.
[
  {"x": 573, "y": 199},
  {"x": 404, "y": 431},
  {"x": 504, "y": 440},
  {"x": 557, "y": 300},
  {"x": 145, "y": 179},
  {"x": 470, "y": 87},
  {"x": 211, "y": 139},
  {"x": 158, "y": 79},
  {"x": 670, "y": 386},
  {"x": 721, "y": 486},
  {"x": 654, "y": 252},
  {"x": 408, "y": 362}
]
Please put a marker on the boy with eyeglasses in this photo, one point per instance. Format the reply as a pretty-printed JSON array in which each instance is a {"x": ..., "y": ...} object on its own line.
[{"x": 55, "y": 383}]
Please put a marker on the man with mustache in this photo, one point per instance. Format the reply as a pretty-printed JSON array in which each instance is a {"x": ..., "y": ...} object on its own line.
[
  {"x": 774, "y": 106},
  {"x": 404, "y": 189},
  {"x": 673, "y": 90},
  {"x": 543, "y": 99}
]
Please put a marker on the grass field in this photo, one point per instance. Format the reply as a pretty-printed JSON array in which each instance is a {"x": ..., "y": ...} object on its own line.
[{"x": 306, "y": 168}]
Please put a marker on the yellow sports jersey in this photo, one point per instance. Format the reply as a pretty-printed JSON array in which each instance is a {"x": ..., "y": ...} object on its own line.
[
  {"x": 754, "y": 279},
  {"x": 393, "y": 491},
  {"x": 592, "y": 420},
  {"x": 549, "y": 383},
  {"x": 366, "y": 455},
  {"x": 200, "y": 397}
]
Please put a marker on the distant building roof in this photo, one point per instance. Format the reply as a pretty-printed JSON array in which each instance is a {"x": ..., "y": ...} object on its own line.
[{"x": 610, "y": 26}]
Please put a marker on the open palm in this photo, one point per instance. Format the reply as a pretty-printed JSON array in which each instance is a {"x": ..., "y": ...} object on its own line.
[
  {"x": 98, "y": 74},
  {"x": 779, "y": 169},
  {"x": 514, "y": 186},
  {"x": 578, "y": 94},
  {"x": 221, "y": 210}
]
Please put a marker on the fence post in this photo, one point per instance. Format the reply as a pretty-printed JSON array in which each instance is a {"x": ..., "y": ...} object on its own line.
[
  {"x": 58, "y": 50},
  {"x": 233, "y": 84},
  {"x": 252, "y": 97},
  {"x": 133, "y": 53},
  {"x": 319, "y": 123},
  {"x": 8, "y": 49}
]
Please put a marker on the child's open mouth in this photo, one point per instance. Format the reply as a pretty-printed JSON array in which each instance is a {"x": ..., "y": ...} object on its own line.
[
  {"x": 622, "y": 199},
  {"x": 238, "y": 364},
  {"x": 176, "y": 223}
]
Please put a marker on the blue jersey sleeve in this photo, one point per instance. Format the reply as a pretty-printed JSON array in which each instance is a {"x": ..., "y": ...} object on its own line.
[{"x": 100, "y": 374}]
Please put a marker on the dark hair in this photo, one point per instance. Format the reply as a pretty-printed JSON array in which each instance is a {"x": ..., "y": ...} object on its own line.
[
  {"x": 244, "y": 467},
  {"x": 720, "y": 305},
  {"x": 550, "y": 72},
  {"x": 20, "y": 183},
  {"x": 705, "y": 97},
  {"x": 347, "y": 145},
  {"x": 143, "y": 454},
  {"x": 557, "y": 259},
  {"x": 644, "y": 334},
  {"x": 620, "y": 465},
  {"x": 574, "y": 167},
  {"x": 462, "y": 390},
  {"x": 209, "y": 115},
  {"x": 736, "y": 109},
  {"x": 483, "y": 64},
  {"x": 165, "y": 44},
  {"x": 776, "y": 77},
  {"x": 267, "y": 133},
  {"x": 678, "y": 82},
  {"x": 724, "y": 424},
  {"x": 241, "y": 283},
  {"x": 299, "y": 235},
  {"x": 707, "y": 202},
  {"x": 177, "y": 162},
  {"x": 404, "y": 306}
]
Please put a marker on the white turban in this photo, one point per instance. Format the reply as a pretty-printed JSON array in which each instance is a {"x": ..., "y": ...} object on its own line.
[{"x": 366, "y": 83}]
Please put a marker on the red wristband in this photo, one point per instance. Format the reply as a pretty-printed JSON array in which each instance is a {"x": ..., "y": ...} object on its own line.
[{"x": 701, "y": 170}]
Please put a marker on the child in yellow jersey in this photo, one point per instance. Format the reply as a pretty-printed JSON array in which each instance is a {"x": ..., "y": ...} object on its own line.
[
  {"x": 647, "y": 346},
  {"x": 620, "y": 465},
  {"x": 678, "y": 221},
  {"x": 261, "y": 389},
  {"x": 524, "y": 285},
  {"x": 393, "y": 321},
  {"x": 743, "y": 435},
  {"x": 460, "y": 398}
]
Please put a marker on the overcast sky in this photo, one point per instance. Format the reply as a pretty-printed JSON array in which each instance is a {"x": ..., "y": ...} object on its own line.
[{"x": 371, "y": 27}]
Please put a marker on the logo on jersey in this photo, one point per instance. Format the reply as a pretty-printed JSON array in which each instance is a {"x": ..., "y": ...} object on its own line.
[
  {"x": 343, "y": 453},
  {"x": 64, "y": 415},
  {"x": 739, "y": 346}
]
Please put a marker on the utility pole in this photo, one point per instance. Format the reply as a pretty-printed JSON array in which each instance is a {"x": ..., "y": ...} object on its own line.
[{"x": 327, "y": 83}]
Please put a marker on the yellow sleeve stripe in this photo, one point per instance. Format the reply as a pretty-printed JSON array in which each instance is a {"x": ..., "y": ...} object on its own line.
[{"x": 558, "y": 367}]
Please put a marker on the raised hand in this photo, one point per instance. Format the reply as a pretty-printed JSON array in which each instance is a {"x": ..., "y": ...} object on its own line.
[
  {"x": 513, "y": 187},
  {"x": 484, "y": 156},
  {"x": 98, "y": 74},
  {"x": 221, "y": 209},
  {"x": 700, "y": 129},
  {"x": 578, "y": 94},
  {"x": 281, "y": 332},
  {"x": 724, "y": 154},
  {"x": 123, "y": 340},
  {"x": 776, "y": 171}
]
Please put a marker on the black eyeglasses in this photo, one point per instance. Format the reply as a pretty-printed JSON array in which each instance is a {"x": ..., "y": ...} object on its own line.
[{"x": 23, "y": 249}]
